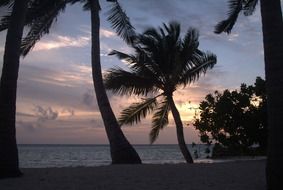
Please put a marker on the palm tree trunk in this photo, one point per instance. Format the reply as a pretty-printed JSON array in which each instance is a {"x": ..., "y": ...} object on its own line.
[
  {"x": 180, "y": 134},
  {"x": 121, "y": 150},
  {"x": 272, "y": 27},
  {"x": 9, "y": 162}
]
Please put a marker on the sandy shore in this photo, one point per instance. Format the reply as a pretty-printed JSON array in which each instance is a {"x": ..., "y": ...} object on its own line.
[{"x": 241, "y": 175}]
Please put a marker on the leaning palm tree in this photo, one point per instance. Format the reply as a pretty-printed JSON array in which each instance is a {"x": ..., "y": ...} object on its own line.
[
  {"x": 162, "y": 63},
  {"x": 40, "y": 17},
  {"x": 121, "y": 150},
  {"x": 272, "y": 28},
  {"x": 9, "y": 163}
]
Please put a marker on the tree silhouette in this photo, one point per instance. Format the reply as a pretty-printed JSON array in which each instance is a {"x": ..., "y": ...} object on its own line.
[
  {"x": 235, "y": 119},
  {"x": 162, "y": 63},
  {"x": 9, "y": 163},
  {"x": 272, "y": 28},
  {"x": 39, "y": 16}
]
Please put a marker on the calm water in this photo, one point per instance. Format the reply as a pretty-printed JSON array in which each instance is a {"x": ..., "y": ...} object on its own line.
[{"x": 40, "y": 156}]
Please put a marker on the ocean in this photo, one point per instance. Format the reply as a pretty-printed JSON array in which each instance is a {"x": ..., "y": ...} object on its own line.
[{"x": 44, "y": 156}]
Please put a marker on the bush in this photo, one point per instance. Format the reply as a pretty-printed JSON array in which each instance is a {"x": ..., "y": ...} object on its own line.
[{"x": 235, "y": 120}]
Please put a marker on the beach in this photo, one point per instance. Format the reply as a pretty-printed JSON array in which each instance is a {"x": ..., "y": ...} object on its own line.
[{"x": 237, "y": 175}]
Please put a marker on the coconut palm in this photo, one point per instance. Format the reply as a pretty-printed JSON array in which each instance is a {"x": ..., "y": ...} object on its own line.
[
  {"x": 272, "y": 28},
  {"x": 121, "y": 150},
  {"x": 162, "y": 63},
  {"x": 22, "y": 13},
  {"x": 9, "y": 163},
  {"x": 40, "y": 17}
]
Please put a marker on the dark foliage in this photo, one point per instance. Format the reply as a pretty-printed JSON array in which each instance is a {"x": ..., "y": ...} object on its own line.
[{"x": 235, "y": 119}]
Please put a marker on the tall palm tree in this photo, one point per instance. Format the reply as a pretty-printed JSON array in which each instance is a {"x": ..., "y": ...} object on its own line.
[
  {"x": 272, "y": 28},
  {"x": 9, "y": 163},
  {"x": 23, "y": 13},
  {"x": 162, "y": 62},
  {"x": 121, "y": 150},
  {"x": 40, "y": 20}
]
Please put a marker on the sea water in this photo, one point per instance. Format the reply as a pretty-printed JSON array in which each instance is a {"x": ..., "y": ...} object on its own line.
[{"x": 42, "y": 156}]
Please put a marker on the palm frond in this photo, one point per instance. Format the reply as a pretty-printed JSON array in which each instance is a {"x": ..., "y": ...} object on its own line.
[
  {"x": 159, "y": 120},
  {"x": 136, "y": 111},
  {"x": 161, "y": 46},
  {"x": 199, "y": 65},
  {"x": 6, "y": 3},
  {"x": 189, "y": 47},
  {"x": 190, "y": 41},
  {"x": 153, "y": 34},
  {"x": 235, "y": 7},
  {"x": 127, "y": 83},
  {"x": 41, "y": 26},
  {"x": 5, "y": 20},
  {"x": 249, "y": 7},
  {"x": 86, "y": 4},
  {"x": 174, "y": 30},
  {"x": 121, "y": 22},
  {"x": 140, "y": 64},
  {"x": 123, "y": 56},
  {"x": 33, "y": 5}
]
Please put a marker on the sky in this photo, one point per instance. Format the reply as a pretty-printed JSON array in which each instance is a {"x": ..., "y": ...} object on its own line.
[{"x": 56, "y": 103}]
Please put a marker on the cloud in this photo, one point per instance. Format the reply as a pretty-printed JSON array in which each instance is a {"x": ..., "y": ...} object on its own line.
[
  {"x": 107, "y": 33},
  {"x": 88, "y": 98},
  {"x": 67, "y": 112},
  {"x": 62, "y": 42},
  {"x": 103, "y": 31},
  {"x": 233, "y": 37},
  {"x": 45, "y": 114}
]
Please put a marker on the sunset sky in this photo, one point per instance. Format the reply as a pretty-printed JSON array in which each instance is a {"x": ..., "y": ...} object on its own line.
[{"x": 56, "y": 102}]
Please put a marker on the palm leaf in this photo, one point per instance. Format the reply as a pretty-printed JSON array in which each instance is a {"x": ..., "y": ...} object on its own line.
[
  {"x": 123, "y": 56},
  {"x": 199, "y": 65},
  {"x": 41, "y": 26},
  {"x": 190, "y": 43},
  {"x": 134, "y": 113},
  {"x": 235, "y": 7},
  {"x": 30, "y": 15},
  {"x": 127, "y": 83},
  {"x": 159, "y": 120},
  {"x": 121, "y": 22},
  {"x": 249, "y": 7},
  {"x": 4, "y": 22},
  {"x": 174, "y": 30},
  {"x": 140, "y": 64},
  {"x": 188, "y": 47},
  {"x": 4, "y": 3},
  {"x": 154, "y": 33}
]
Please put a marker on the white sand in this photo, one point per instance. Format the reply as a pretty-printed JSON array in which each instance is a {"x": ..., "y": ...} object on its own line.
[{"x": 241, "y": 175}]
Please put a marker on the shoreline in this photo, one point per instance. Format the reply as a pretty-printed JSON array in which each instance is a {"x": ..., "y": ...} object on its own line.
[{"x": 238, "y": 175}]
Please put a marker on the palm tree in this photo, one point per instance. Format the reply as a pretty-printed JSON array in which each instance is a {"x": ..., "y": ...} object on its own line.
[
  {"x": 272, "y": 28},
  {"x": 40, "y": 19},
  {"x": 162, "y": 63},
  {"x": 23, "y": 13},
  {"x": 9, "y": 162},
  {"x": 121, "y": 150}
]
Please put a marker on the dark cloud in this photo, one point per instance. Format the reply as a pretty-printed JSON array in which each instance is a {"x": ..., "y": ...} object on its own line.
[
  {"x": 88, "y": 98},
  {"x": 44, "y": 114}
]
